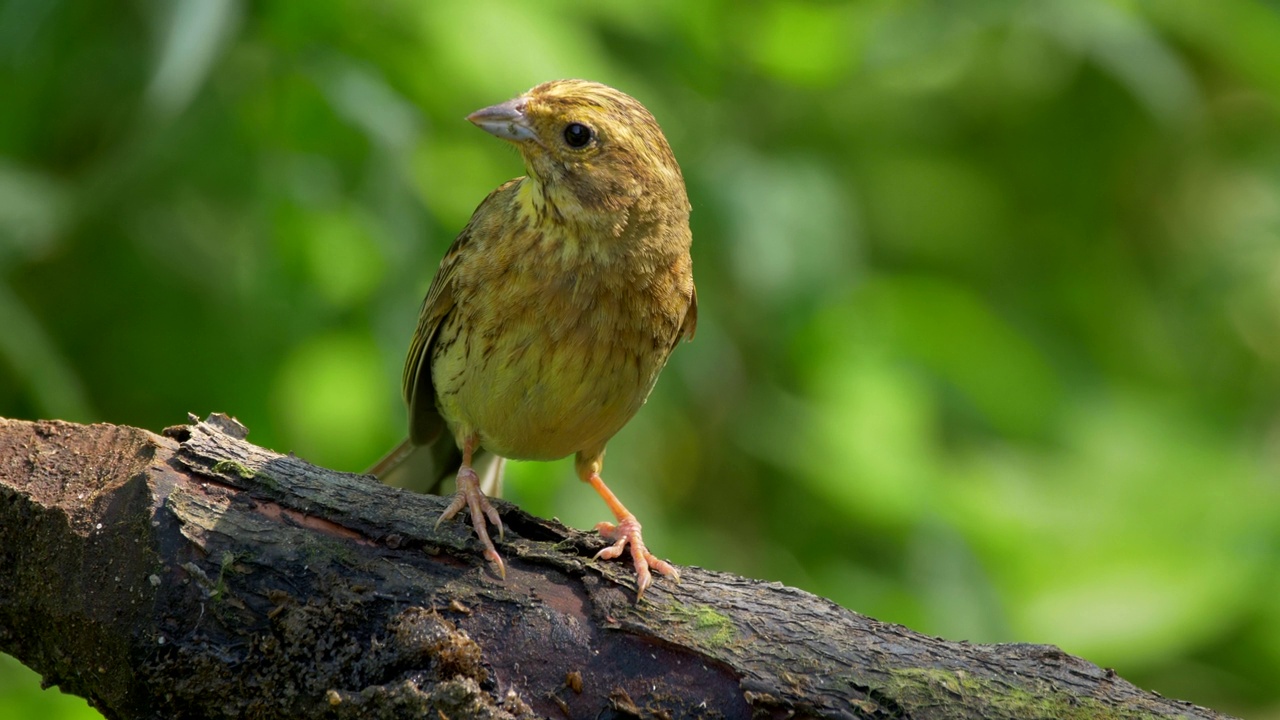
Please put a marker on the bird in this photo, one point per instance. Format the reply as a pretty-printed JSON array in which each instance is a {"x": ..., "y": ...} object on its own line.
[{"x": 555, "y": 309}]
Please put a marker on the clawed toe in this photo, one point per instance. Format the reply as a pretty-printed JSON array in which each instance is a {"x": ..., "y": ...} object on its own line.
[
  {"x": 471, "y": 497},
  {"x": 627, "y": 533}
]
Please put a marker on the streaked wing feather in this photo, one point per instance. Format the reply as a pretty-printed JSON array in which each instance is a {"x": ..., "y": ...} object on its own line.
[{"x": 425, "y": 422}]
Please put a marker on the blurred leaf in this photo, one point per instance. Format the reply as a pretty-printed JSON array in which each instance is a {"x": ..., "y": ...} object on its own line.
[
  {"x": 793, "y": 225},
  {"x": 327, "y": 399},
  {"x": 806, "y": 43},
  {"x": 22, "y": 697},
  {"x": 194, "y": 33},
  {"x": 866, "y": 444},
  {"x": 33, "y": 209},
  {"x": 1127, "y": 47},
  {"x": 28, "y": 352},
  {"x": 963, "y": 342},
  {"x": 359, "y": 95},
  {"x": 1108, "y": 538}
]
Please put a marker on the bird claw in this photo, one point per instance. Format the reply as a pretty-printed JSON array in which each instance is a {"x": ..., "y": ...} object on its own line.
[
  {"x": 627, "y": 532},
  {"x": 471, "y": 497}
]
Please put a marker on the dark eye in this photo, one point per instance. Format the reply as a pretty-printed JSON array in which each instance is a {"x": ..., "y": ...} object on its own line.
[{"x": 577, "y": 135}]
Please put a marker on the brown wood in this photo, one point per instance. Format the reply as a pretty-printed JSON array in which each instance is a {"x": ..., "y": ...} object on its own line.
[{"x": 195, "y": 575}]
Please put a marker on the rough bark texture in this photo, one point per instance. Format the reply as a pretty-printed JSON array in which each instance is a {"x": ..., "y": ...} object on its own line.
[{"x": 194, "y": 575}]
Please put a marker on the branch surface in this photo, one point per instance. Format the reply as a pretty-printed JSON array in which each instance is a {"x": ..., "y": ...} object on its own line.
[{"x": 195, "y": 575}]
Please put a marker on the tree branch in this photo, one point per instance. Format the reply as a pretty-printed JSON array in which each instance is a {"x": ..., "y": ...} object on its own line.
[{"x": 195, "y": 575}]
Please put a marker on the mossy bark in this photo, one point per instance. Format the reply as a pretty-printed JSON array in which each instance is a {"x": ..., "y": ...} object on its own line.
[{"x": 195, "y": 575}]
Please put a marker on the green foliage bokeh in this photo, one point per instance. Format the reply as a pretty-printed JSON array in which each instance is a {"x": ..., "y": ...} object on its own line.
[{"x": 989, "y": 338}]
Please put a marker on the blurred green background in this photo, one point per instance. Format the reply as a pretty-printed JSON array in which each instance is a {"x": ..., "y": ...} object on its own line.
[{"x": 989, "y": 338}]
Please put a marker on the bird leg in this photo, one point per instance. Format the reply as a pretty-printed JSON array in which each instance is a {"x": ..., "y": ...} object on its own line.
[
  {"x": 627, "y": 532},
  {"x": 470, "y": 495}
]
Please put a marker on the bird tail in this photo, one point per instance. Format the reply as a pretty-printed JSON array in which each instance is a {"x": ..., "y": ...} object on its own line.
[
  {"x": 425, "y": 468},
  {"x": 392, "y": 460}
]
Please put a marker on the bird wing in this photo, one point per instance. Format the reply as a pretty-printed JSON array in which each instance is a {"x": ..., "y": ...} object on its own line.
[
  {"x": 690, "y": 324},
  {"x": 425, "y": 422}
]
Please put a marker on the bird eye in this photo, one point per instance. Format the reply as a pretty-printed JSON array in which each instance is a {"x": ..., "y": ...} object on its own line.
[{"x": 577, "y": 135}]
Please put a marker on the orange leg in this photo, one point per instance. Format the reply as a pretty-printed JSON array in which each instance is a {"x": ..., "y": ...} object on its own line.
[
  {"x": 626, "y": 532},
  {"x": 470, "y": 496}
]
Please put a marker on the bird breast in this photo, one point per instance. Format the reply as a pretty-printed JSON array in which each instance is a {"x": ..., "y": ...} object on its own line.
[{"x": 550, "y": 350}]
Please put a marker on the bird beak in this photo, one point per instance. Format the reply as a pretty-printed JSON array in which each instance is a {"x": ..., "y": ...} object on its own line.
[{"x": 506, "y": 121}]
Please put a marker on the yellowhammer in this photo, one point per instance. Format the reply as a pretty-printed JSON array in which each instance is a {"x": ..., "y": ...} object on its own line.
[{"x": 555, "y": 309}]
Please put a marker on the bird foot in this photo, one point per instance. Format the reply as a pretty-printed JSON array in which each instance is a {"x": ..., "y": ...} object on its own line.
[
  {"x": 470, "y": 496},
  {"x": 627, "y": 532}
]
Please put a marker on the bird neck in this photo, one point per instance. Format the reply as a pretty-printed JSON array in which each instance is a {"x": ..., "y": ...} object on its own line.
[
  {"x": 629, "y": 225},
  {"x": 556, "y": 207}
]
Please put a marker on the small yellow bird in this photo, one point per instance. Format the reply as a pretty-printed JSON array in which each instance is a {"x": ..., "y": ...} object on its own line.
[{"x": 555, "y": 309}]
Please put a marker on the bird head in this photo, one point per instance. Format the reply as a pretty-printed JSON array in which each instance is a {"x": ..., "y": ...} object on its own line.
[{"x": 590, "y": 148}]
